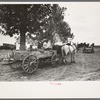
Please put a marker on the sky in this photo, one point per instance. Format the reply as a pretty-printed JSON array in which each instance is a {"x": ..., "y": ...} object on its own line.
[{"x": 83, "y": 18}]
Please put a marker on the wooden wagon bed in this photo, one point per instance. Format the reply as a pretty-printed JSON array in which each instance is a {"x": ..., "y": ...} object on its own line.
[
  {"x": 29, "y": 60},
  {"x": 20, "y": 55}
]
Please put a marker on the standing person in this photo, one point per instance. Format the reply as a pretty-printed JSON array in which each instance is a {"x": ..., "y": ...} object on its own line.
[
  {"x": 69, "y": 41},
  {"x": 17, "y": 43}
]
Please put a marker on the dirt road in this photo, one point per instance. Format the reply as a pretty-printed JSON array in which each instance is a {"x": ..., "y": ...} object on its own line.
[{"x": 86, "y": 68}]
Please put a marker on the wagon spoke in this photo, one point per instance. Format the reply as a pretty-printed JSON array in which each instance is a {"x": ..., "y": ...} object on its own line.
[
  {"x": 25, "y": 67},
  {"x": 25, "y": 64},
  {"x": 26, "y": 59},
  {"x": 35, "y": 62},
  {"x": 35, "y": 65},
  {"x": 31, "y": 69}
]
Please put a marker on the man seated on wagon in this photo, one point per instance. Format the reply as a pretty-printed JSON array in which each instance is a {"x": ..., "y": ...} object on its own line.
[{"x": 47, "y": 44}]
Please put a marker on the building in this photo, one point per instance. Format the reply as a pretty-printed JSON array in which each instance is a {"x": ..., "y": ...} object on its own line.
[{"x": 9, "y": 46}]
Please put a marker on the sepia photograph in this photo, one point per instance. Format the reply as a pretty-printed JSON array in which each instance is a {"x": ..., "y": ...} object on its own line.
[
  {"x": 49, "y": 50},
  {"x": 50, "y": 42}
]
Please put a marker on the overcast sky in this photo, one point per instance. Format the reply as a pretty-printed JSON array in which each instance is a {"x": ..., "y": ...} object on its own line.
[{"x": 84, "y": 20}]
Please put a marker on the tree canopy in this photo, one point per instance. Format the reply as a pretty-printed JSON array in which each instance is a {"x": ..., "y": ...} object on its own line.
[{"x": 42, "y": 20}]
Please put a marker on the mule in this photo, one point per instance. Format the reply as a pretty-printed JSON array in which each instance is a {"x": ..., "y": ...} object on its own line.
[{"x": 68, "y": 49}]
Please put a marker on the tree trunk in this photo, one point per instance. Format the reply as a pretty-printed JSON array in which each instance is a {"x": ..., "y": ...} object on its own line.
[{"x": 22, "y": 40}]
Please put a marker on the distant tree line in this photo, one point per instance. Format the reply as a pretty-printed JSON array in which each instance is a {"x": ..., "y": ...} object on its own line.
[{"x": 81, "y": 45}]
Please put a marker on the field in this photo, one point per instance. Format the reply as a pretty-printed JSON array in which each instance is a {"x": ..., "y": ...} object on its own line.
[{"x": 86, "y": 68}]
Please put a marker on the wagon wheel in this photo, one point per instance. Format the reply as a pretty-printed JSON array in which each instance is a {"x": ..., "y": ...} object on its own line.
[
  {"x": 30, "y": 64},
  {"x": 55, "y": 60},
  {"x": 14, "y": 64}
]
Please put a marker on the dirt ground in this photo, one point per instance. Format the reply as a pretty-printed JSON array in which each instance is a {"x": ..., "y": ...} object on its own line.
[{"x": 86, "y": 68}]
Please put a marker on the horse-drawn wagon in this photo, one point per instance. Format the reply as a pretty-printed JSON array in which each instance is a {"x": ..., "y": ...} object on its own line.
[
  {"x": 30, "y": 60},
  {"x": 89, "y": 49}
]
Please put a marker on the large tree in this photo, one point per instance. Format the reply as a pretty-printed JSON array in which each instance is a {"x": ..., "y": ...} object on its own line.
[
  {"x": 23, "y": 18},
  {"x": 40, "y": 19}
]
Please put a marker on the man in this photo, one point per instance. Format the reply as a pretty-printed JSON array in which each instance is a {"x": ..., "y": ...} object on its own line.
[
  {"x": 47, "y": 45},
  {"x": 69, "y": 41}
]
